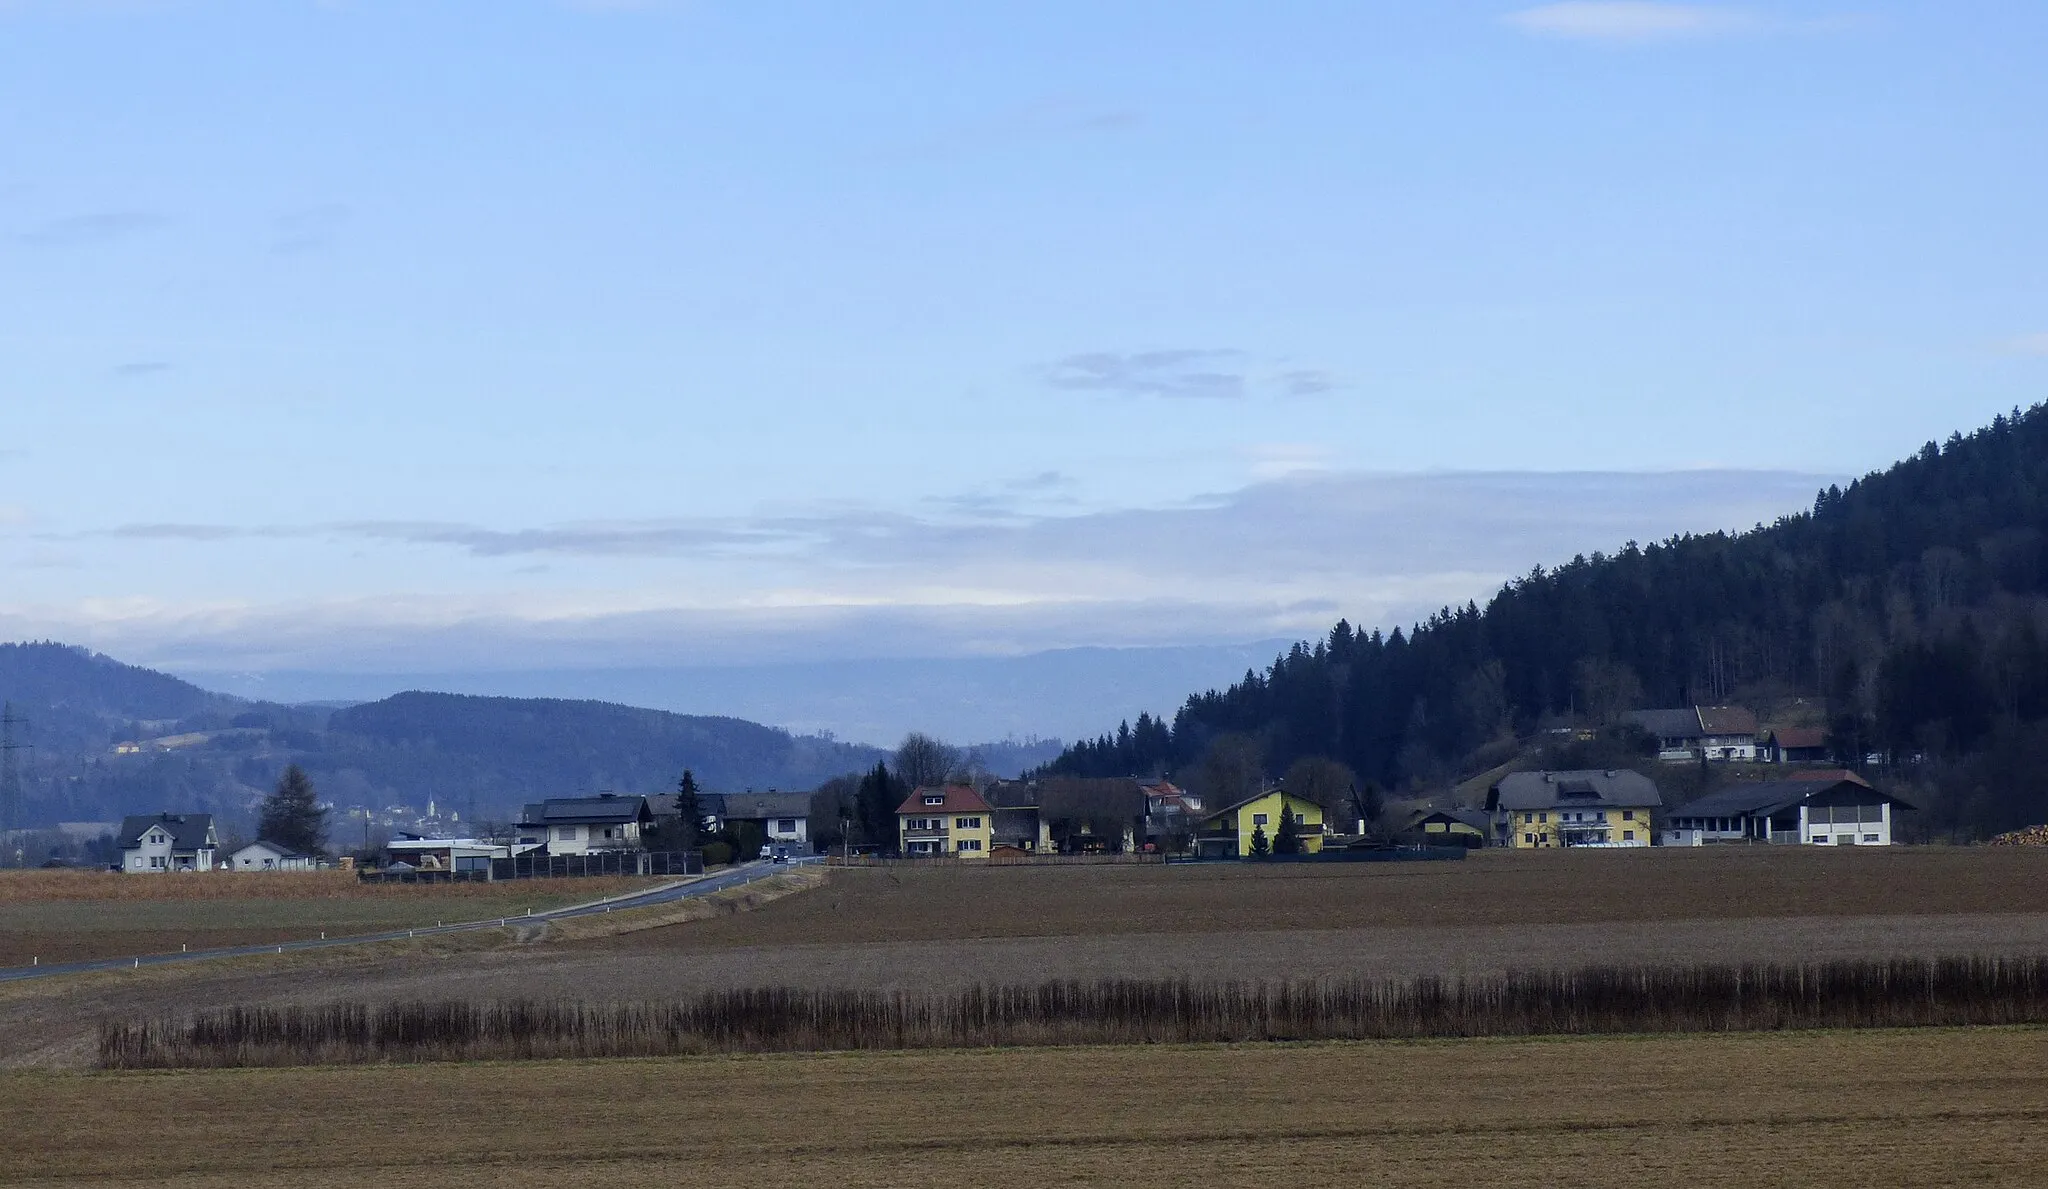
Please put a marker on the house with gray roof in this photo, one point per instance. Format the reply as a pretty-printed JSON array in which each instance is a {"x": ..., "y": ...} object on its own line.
[
  {"x": 1834, "y": 810},
  {"x": 585, "y": 825},
  {"x": 158, "y": 842},
  {"x": 784, "y": 818},
  {"x": 1539, "y": 810},
  {"x": 1718, "y": 733}
]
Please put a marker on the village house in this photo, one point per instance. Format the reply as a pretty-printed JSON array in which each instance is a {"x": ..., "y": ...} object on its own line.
[
  {"x": 269, "y": 856},
  {"x": 1447, "y": 827},
  {"x": 1537, "y": 810},
  {"x": 1229, "y": 833},
  {"x": 1725, "y": 734},
  {"x": 784, "y": 818},
  {"x": 1823, "y": 809},
  {"x": 167, "y": 842},
  {"x": 586, "y": 825},
  {"x": 953, "y": 820},
  {"x": 1795, "y": 745}
]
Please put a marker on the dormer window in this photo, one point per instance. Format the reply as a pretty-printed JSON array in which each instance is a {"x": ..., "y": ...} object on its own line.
[{"x": 935, "y": 799}]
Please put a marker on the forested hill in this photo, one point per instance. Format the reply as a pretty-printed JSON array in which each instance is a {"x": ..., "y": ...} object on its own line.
[
  {"x": 107, "y": 739},
  {"x": 504, "y": 750},
  {"x": 1911, "y": 602}
]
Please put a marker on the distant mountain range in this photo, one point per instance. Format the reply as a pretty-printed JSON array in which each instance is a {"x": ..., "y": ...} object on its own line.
[{"x": 109, "y": 738}]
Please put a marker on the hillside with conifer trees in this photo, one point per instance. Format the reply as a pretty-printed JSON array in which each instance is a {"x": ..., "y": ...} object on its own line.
[{"x": 1908, "y": 612}]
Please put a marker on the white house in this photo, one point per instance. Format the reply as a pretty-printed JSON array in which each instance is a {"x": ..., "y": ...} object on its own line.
[
  {"x": 586, "y": 825},
  {"x": 167, "y": 842},
  {"x": 269, "y": 856},
  {"x": 1834, "y": 810},
  {"x": 1719, "y": 733},
  {"x": 784, "y": 818}
]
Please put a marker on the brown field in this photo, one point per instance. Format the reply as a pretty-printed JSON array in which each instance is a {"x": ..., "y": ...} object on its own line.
[
  {"x": 59, "y": 916},
  {"x": 924, "y": 928},
  {"x": 1866, "y": 1109}
]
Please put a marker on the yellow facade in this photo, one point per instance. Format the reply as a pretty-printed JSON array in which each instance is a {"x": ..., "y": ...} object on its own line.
[
  {"x": 1263, "y": 813},
  {"x": 1536, "y": 829},
  {"x": 959, "y": 834}
]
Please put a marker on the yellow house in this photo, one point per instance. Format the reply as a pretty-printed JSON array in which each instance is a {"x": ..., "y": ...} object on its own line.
[
  {"x": 1228, "y": 833},
  {"x": 1541, "y": 810},
  {"x": 954, "y": 820}
]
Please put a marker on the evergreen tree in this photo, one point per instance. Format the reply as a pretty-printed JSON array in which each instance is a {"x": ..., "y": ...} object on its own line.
[
  {"x": 1260, "y": 847},
  {"x": 291, "y": 817},
  {"x": 1288, "y": 840},
  {"x": 689, "y": 811},
  {"x": 875, "y": 804}
]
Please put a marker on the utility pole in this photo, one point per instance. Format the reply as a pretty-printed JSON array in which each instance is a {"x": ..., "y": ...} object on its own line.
[{"x": 10, "y": 772}]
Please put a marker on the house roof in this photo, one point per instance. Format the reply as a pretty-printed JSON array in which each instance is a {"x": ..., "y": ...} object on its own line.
[
  {"x": 1547, "y": 790},
  {"x": 273, "y": 848},
  {"x": 1727, "y": 720},
  {"x": 1668, "y": 724},
  {"x": 958, "y": 798},
  {"x": 1771, "y": 796},
  {"x": 1233, "y": 808},
  {"x": 188, "y": 831},
  {"x": 607, "y": 808},
  {"x": 755, "y": 806},
  {"x": 1800, "y": 737},
  {"x": 1468, "y": 817}
]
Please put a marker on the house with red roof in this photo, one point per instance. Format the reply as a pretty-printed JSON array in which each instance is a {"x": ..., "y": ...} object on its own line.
[{"x": 953, "y": 820}]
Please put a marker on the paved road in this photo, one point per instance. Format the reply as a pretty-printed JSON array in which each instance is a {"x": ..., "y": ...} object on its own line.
[{"x": 745, "y": 873}]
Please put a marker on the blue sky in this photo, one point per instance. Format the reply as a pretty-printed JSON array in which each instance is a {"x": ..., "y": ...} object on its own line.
[{"x": 367, "y": 335}]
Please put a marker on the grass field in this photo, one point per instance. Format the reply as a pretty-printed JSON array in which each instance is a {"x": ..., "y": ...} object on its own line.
[
  {"x": 1867, "y": 1109},
  {"x": 57, "y": 916}
]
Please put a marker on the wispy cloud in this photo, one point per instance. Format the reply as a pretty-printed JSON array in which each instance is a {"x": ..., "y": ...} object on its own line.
[
  {"x": 1187, "y": 373},
  {"x": 1302, "y": 549},
  {"x": 97, "y": 227},
  {"x": 1632, "y": 21}
]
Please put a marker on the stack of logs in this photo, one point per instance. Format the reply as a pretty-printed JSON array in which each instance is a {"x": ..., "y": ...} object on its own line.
[{"x": 2031, "y": 836}]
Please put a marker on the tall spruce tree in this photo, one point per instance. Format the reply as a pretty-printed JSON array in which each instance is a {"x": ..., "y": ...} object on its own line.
[
  {"x": 291, "y": 816},
  {"x": 689, "y": 811},
  {"x": 879, "y": 795}
]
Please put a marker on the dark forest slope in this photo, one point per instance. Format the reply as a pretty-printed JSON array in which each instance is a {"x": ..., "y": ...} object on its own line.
[{"x": 1912, "y": 602}]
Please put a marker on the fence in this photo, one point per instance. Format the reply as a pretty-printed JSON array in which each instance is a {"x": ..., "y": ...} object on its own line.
[
  {"x": 1024, "y": 860},
  {"x": 610, "y": 862}
]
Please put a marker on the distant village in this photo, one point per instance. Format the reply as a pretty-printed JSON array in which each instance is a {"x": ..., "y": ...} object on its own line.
[{"x": 1785, "y": 793}]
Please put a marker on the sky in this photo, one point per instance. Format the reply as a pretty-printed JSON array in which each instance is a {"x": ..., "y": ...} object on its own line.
[{"x": 436, "y": 337}]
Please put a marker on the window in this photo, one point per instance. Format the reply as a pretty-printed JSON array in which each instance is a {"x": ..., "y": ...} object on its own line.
[
  {"x": 1528, "y": 818},
  {"x": 1870, "y": 838},
  {"x": 1543, "y": 817},
  {"x": 970, "y": 844},
  {"x": 785, "y": 825},
  {"x": 607, "y": 831},
  {"x": 1628, "y": 835},
  {"x": 1258, "y": 819},
  {"x": 565, "y": 833},
  {"x": 1600, "y": 816},
  {"x": 1299, "y": 820},
  {"x": 935, "y": 799},
  {"x": 1820, "y": 839},
  {"x": 967, "y": 823},
  {"x": 1529, "y": 839},
  {"x": 1628, "y": 815}
]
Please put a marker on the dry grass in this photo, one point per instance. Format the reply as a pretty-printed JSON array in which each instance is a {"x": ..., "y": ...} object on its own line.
[
  {"x": 1867, "y": 1109},
  {"x": 248, "y": 909},
  {"x": 109, "y": 887},
  {"x": 1596, "y": 1001},
  {"x": 927, "y": 904},
  {"x": 727, "y": 902}
]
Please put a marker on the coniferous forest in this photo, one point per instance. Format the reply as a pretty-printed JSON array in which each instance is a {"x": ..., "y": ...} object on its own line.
[{"x": 1907, "y": 613}]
